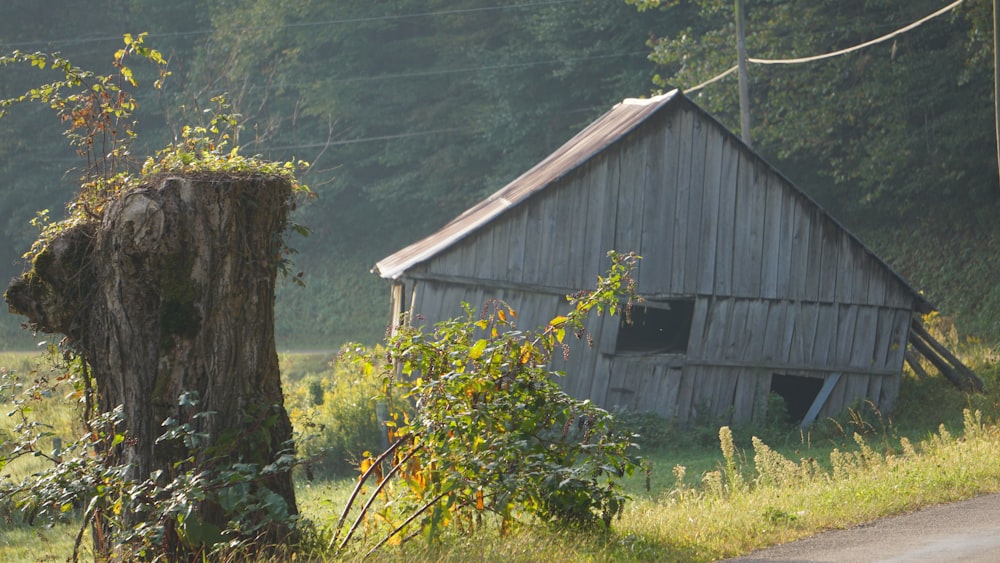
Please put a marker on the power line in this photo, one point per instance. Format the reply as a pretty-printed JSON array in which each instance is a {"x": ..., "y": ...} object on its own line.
[
  {"x": 882, "y": 39},
  {"x": 860, "y": 46},
  {"x": 425, "y": 73},
  {"x": 717, "y": 78},
  {"x": 368, "y": 139},
  {"x": 341, "y": 21}
]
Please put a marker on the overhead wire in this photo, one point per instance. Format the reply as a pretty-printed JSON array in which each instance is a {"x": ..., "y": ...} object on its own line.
[
  {"x": 837, "y": 53},
  {"x": 421, "y": 74},
  {"x": 693, "y": 89},
  {"x": 339, "y": 21},
  {"x": 858, "y": 47}
]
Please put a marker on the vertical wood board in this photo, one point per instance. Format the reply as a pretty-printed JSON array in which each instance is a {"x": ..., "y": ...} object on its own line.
[
  {"x": 877, "y": 285},
  {"x": 772, "y": 349},
  {"x": 825, "y": 341},
  {"x": 694, "y": 246},
  {"x": 532, "y": 264},
  {"x": 724, "y": 403},
  {"x": 786, "y": 240},
  {"x": 863, "y": 349},
  {"x": 738, "y": 337},
  {"x": 899, "y": 337},
  {"x": 728, "y": 218},
  {"x": 857, "y": 390},
  {"x": 681, "y": 206},
  {"x": 845, "y": 270},
  {"x": 758, "y": 203},
  {"x": 563, "y": 242},
  {"x": 708, "y": 237},
  {"x": 685, "y": 395},
  {"x": 812, "y": 241},
  {"x": 699, "y": 328},
  {"x": 630, "y": 201},
  {"x": 847, "y": 321},
  {"x": 745, "y": 394},
  {"x": 889, "y": 394},
  {"x": 774, "y": 214},
  {"x": 756, "y": 327},
  {"x": 742, "y": 248},
  {"x": 516, "y": 242},
  {"x": 717, "y": 329},
  {"x": 828, "y": 245},
  {"x": 660, "y": 170},
  {"x": 593, "y": 261}
]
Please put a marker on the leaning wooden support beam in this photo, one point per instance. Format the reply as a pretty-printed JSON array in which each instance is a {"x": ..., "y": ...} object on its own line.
[
  {"x": 914, "y": 362},
  {"x": 964, "y": 370},
  {"x": 925, "y": 350},
  {"x": 821, "y": 397},
  {"x": 947, "y": 363},
  {"x": 946, "y": 369}
]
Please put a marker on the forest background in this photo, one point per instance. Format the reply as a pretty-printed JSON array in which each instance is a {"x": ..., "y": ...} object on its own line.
[{"x": 410, "y": 111}]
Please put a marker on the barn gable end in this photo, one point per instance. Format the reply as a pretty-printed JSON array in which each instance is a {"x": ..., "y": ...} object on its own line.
[{"x": 751, "y": 287}]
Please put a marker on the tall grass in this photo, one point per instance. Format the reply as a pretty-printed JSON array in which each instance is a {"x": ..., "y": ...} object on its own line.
[
  {"x": 334, "y": 412},
  {"x": 59, "y": 415},
  {"x": 710, "y": 493}
]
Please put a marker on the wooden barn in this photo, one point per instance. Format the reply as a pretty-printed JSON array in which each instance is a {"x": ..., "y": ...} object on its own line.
[{"x": 750, "y": 287}]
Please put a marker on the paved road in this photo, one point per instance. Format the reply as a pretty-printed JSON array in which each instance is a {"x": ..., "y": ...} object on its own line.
[{"x": 961, "y": 531}]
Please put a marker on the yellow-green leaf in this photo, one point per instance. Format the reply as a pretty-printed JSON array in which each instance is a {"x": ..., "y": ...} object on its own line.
[
  {"x": 560, "y": 320},
  {"x": 476, "y": 351},
  {"x": 526, "y": 353}
]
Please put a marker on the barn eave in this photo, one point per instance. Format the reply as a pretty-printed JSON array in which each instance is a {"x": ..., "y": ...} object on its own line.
[
  {"x": 618, "y": 122},
  {"x": 597, "y": 137}
]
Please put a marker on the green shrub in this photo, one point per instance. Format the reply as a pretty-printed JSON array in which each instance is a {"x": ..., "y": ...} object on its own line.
[{"x": 334, "y": 413}]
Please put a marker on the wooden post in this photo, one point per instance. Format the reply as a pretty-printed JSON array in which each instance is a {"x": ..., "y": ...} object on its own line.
[
  {"x": 996, "y": 75},
  {"x": 744, "y": 79}
]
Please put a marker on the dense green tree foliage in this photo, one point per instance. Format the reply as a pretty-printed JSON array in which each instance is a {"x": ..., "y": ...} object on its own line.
[
  {"x": 412, "y": 110},
  {"x": 409, "y": 112},
  {"x": 896, "y": 126},
  {"x": 896, "y": 139}
]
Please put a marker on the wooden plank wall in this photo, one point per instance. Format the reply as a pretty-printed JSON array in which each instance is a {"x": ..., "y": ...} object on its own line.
[
  {"x": 729, "y": 395},
  {"x": 778, "y": 284},
  {"x": 434, "y": 301},
  {"x": 734, "y": 339},
  {"x": 797, "y": 334},
  {"x": 708, "y": 216}
]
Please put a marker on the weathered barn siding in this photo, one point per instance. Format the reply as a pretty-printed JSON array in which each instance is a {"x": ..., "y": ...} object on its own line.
[{"x": 778, "y": 287}]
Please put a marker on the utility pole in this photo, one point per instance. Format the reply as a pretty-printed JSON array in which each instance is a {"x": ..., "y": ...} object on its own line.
[
  {"x": 996, "y": 74},
  {"x": 741, "y": 62}
]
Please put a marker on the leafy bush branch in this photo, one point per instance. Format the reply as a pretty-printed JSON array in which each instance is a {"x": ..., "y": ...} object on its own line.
[
  {"x": 492, "y": 432},
  {"x": 81, "y": 484}
]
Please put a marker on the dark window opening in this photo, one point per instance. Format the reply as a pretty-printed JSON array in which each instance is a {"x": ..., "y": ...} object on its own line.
[
  {"x": 798, "y": 392},
  {"x": 662, "y": 328}
]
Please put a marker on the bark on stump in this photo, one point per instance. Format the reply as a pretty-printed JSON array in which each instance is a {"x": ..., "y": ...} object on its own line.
[{"x": 173, "y": 292}]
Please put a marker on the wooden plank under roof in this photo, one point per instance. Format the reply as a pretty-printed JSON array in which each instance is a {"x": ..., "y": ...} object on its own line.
[{"x": 597, "y": 136}]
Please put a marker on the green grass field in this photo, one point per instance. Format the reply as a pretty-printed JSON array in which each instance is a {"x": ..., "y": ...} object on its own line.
[{"x": 701, "y": 500}]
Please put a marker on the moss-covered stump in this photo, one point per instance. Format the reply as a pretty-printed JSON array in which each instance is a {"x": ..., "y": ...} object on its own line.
[{"x": 171, "y": 293}]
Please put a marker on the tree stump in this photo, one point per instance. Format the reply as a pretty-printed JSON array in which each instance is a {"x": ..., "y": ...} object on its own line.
[{"x": 172, "y": 292}]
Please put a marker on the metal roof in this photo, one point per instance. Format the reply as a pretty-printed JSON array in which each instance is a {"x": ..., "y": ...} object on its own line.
[{"x": 597, "y": 136}]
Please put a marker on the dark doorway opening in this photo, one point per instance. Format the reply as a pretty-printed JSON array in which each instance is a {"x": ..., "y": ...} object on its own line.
[
  {"x": 657, "y": 328},
  {"x": 798, "y": 392}
]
